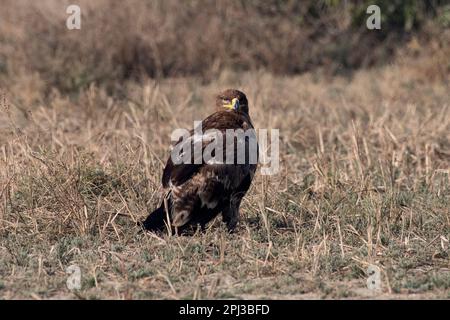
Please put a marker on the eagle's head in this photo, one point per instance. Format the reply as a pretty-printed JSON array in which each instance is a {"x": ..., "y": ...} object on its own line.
[{"x": 233, "y": 100}]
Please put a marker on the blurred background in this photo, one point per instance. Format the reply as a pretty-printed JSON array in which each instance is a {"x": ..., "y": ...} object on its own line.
[{"x": 135, "y": 39}]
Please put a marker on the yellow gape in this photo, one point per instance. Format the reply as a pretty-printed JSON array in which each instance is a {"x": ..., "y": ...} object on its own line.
[{"x": 234, "y": 105}]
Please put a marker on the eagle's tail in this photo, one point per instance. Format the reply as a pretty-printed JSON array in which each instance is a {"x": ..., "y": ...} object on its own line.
[{"x": 157, "y": 220}]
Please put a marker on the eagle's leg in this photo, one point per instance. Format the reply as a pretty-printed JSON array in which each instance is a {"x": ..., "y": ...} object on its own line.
[
  {"x": 183, "y": 205},
  {"x": 181, "y": 214},
  {"x": 230, "y": 214}
]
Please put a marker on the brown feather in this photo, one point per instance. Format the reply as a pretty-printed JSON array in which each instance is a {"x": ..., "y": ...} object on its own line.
[{"x": 198, "y": 192}]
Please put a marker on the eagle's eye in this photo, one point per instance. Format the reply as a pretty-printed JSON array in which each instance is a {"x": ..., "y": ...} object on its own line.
[{"x": 226, "y": 101}]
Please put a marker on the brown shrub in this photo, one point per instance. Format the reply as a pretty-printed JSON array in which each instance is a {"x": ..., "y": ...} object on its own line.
[{"x": 120, "y": 40}]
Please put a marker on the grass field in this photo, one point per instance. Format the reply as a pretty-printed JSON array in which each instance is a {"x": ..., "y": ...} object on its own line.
[{"x": 364, "y": 180}]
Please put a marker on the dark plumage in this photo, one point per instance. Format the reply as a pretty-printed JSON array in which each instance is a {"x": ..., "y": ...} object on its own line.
[{"x": 199, "y": 192}]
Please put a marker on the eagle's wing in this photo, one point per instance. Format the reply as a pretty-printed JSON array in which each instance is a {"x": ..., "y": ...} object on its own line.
[
  {"x": 177, "y": 174},
  {"x": 200, "y": 191}
]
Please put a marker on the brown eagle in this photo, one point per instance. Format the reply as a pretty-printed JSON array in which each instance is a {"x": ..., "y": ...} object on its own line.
[{"x": 199, "y": 190}]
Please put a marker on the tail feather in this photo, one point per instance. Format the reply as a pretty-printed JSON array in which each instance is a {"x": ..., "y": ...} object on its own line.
[{"x": 157, "y": 220}]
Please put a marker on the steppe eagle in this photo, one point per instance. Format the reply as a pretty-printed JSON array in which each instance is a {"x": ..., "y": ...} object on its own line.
[{"x": 199, "y": 190}]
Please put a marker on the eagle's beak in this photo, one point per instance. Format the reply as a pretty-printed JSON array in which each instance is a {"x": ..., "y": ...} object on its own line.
[{"x": 233, "y": 105}]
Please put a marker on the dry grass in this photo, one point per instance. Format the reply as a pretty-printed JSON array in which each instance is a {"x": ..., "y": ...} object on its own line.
[
  {"x": 161, "y": 38},
  {"x": 365, "y": 160},
  {"x": 364, "y": 180}
]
